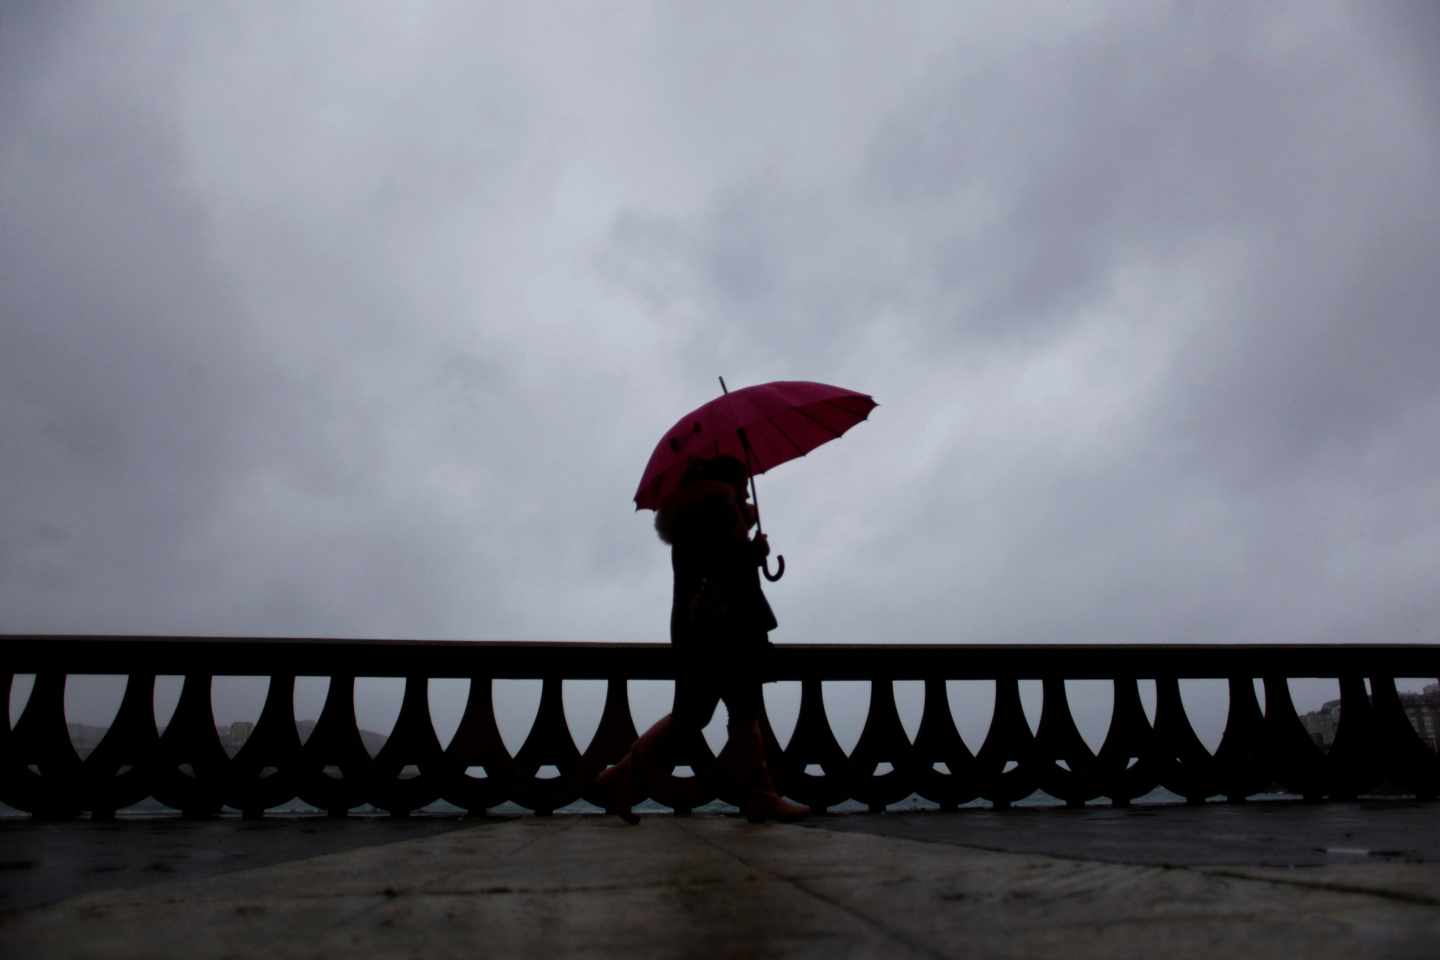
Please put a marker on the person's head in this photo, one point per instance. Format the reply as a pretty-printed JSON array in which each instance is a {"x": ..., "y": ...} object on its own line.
[
  {"x": 721, "y": 469},
  {"x": 712, "y": 497}
]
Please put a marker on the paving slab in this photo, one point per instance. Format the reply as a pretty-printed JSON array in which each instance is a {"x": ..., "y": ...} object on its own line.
[
  {"x": 46, "y": 861},
  {"x": 719, "y": 886},
  {"x": 1270, "y": 833}
]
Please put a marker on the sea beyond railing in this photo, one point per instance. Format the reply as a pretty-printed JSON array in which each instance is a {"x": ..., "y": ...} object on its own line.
[{"x": 187, "y": 768}]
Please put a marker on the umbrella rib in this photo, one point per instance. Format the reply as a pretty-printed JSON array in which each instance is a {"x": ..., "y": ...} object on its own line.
[
  {"x": 835, "y": 434},
  {"x": 799, "y": 450}
]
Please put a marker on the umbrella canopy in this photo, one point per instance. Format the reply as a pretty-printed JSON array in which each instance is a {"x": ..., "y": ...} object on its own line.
[{"x": 777, "y": 421}]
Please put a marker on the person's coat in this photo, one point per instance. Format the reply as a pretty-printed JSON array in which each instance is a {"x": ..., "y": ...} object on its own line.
[{"x": 718, "y": 607}]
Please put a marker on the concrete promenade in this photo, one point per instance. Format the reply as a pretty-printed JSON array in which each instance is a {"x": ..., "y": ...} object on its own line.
[{"x": 1269, "y": 879}]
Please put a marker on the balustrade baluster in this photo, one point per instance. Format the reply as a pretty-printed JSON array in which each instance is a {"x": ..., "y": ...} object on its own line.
[
  {"x": 882, "y": 740},
  {"x": 46, "y": 768},
  {"x": 194, "y": 765},
  {"x": 1291, "y": 757},
  {"x": 267, "y": 771},
  {"x": 1058, "y": 739},
  {"x": 1353, "y": 763},
  {"x": 1403, "y": 757},
  {"x": 547, "y": 744},
  {"x": 124, "y": 768},
  {"x": 1239, "y": 757},
  {"x": 1188, "y": 768},
  {"x": 1130, "y": 763},
  {"x": 813, "y": 742},
  {"x": 336, "y": 771},
  {"x": 938, "y": 742},
  {"x": 477, "y": 745},
  {"x": 613, "y": 737},
  {"x": 411, "y": 743},
  {"x": 1009, "y": 740}
]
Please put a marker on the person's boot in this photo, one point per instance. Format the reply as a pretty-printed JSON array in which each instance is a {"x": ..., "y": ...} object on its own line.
[
  {"x": 624, "y": 781},
  {"x": 762, "y": 801}
]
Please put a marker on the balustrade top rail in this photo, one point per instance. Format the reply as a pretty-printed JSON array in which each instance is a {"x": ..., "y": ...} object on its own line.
[{"x": 300, "y": 656}]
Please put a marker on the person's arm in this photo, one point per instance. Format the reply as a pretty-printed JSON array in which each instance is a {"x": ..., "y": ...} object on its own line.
[{"x": 760, "y": 548}]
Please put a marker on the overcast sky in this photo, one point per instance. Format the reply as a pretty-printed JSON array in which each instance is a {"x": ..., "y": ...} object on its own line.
[{"x": 362, "y": 320}]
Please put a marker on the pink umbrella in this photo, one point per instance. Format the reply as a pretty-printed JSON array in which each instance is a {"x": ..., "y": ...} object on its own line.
[{"x": 764, "y": 425}]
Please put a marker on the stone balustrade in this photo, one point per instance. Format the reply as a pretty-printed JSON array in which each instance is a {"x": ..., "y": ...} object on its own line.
[{"x": 187, "y": 768}]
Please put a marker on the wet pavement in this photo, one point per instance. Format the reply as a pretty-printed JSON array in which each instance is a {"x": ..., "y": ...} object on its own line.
[
  {"x": 46, "y": 861},
  {"x": 1272, "y": 833},
  {"x": 1330, "y": 880}
]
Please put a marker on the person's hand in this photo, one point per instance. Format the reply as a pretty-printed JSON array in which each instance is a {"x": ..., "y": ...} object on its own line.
[{"x": 762, "y": 547}]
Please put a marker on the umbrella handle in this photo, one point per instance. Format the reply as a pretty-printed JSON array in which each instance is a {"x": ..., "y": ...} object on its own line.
[{"x": 779, "y": 568}]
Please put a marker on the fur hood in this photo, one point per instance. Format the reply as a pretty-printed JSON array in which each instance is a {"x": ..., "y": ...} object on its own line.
[{"x": 700, "y": 510}]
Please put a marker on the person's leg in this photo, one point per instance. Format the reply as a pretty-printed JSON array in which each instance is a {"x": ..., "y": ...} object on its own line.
[
  {"x": 625, "y": 779},
  {"x": 696, "y": 697},
  {"x": 760, "y": 800},
  {"x": 693, "y": 706}
]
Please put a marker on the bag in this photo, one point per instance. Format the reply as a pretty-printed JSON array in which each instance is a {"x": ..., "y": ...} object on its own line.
[{"x": 711, "y": 613}]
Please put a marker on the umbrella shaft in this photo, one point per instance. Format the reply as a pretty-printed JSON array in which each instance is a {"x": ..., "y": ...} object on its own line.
[
  {"x": 750, "y": 471},
  {"x": 749, "y": 468}
]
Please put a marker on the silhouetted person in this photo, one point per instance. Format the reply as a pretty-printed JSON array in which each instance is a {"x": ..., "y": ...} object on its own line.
[{"x": 719, "y": 622}]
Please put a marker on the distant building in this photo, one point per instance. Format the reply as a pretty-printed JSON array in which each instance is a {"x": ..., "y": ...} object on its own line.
[
  {"x": 1422, "y": 709},
  {"x": 1322, "y": 724},
  {"x": 233, "y": 737},
  {"x": 85, "y": 738}
]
